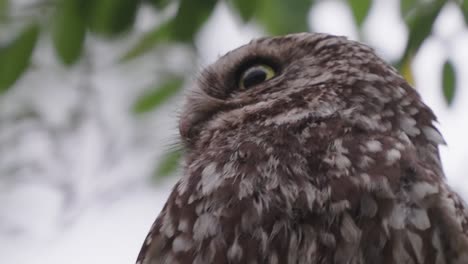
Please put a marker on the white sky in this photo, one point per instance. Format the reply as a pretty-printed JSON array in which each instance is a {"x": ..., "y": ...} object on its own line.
[{"x": 113, "y": 232}]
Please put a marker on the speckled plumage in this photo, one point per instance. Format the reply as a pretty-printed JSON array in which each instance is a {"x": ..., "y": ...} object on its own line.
[{"x": 334, "y": 160}]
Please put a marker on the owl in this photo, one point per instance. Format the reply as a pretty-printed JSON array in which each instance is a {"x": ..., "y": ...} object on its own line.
[{"x": 308, "y": 149}]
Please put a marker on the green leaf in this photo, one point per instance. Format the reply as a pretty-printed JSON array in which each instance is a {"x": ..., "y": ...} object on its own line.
[
  {"x": 420, "y": 24},
  {"x": 360, "y": 9},
  {"x": 464, "y": 8},
  {"x": 16, "y": 55},
  {"x": 449, "y": 82},
  {"x": 246, "y": 8},
  {"x": 159, "y": 4},
  {"x": 168, "y": 164},
  {"x": 157, "y": 96},
  {"x": 159, "y": 34},
  {"x": 282, "y": 17},
  {"x": 112, "y": 17},
  {"x": 407, "y": 7},
  {"x": 69, "y": 30},
  {"x": 191, "y": 15},
  {"x": 4, "y": 8},
  {"x": 404, "y": 67}
]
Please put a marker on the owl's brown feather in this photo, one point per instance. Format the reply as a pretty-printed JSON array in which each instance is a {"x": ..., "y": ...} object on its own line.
[{"x": 334, "y": 160}]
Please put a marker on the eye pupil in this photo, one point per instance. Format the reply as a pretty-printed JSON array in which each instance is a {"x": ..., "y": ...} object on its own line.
[{"x": 254, "y": 77}]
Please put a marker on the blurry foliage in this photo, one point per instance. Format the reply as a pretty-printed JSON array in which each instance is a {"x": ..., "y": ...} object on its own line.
[
  {"x": 158, "y": 95},
  {"x": 168, "y": 164},
  {"x": 190, "y": 16},
  {"x": 15, "y": 56},
  {"x": 419, "y": 17},
  {"x": 449, "y": 82},
  {"x": 69, "y": 30},
  {"x": 74, "y": 20},
  {"x": 405, "y": 70},
  {"x": 281, "y": 17},
  {"x": 360, "y": 9},
  {"x": 3, "y": 8},
  {"x": 110, "y": 17},
  {"x": 464, "y": 7}
]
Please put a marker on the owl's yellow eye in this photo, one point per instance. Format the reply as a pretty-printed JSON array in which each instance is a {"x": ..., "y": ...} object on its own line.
[{"x": 256, "y": 74}]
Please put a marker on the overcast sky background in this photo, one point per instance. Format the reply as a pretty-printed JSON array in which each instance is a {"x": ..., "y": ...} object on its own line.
[{"x": 36, "y": 222}]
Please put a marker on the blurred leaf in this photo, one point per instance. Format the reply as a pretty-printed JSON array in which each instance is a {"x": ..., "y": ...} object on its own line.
[
  {"x": 111, "y": 17},
  {"x": 16, "y": 55},
  {"x": 159, "y": 4},
  {"x": 168, "y": 164},
  {"x": 282, "y": 17},
  {"x": 407, "y": 7},
  {"x": 69, "y": 30},
  {"x": 360, "y": 9},
  {"x": 406, "y": 70},
  {"x": 159, "y": 34},
  {"x": 191, "y": 15},
  {"x": 464, "y": 8},
  {"x": 420, "y": 24},
  {"x": 158, "y": 95},
  {"x": 246, "y": 8},
  {"x": 4, "y": 7},
  {"x": 449, "y": 82}
]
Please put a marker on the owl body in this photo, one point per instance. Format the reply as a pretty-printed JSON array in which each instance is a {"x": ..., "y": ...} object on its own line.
[{"x": 334, "y": 159}]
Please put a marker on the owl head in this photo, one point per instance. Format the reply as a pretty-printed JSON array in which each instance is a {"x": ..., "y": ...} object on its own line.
[{"x": 301, "y": 79}]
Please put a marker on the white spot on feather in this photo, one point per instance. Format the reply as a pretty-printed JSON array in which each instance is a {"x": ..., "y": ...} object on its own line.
[
  {"x": 420, "y": 219},
  {"x": 246, "y": 188},
  {"x": 342, "y": 162},
  {"x": 183, "y": 225},
  {"x": 337, "y": 157},
  {"x": 433, "y": 135},
  {"x": 210, "y": 179},
  {"x": 392, "y": 156},
  {"x": 205, "y": 226},
  {"x": 408, "y": 125},
  {"x": 374, "y": 146},
  {"x": 404, "y": 138},
  {"x": 399, "y": 92},
  {"x": 149, "y": 239},
  {"x": 422, "y": 189},
  {"x": 397, "y": 217},
  {"x": 181, "y": 244},
  {"x": 183, "y": 185},
  {"x": 381, "y": 187},
  {"x": 273, "y": 258},
  {"x": 167, "y": 228},
  {"x": 339, "y": 207},
  {"x": 365, "y": 162},
  {"x": 229, "y": 170},
  {"x": 310, "y": 193},
  {"x": 349, "y": 230},
  {"x": 261, "y": 235},
  {"x": 291, "y": 116},
  {"x": 293, "y": 245},
  {"x": 234, "y": 253}
]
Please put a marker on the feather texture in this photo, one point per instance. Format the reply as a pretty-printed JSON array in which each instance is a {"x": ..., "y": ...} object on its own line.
[{"x": 333, "y": 160}]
